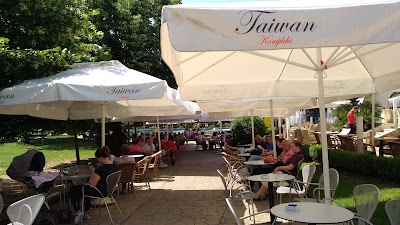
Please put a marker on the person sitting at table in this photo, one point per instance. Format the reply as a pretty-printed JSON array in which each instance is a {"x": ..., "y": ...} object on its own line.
[
  {"x": 124, "y": 158},
  {"x": 97, "y": 179},
  {"x": 142, "y": 140},
  {"x": 213, "y": 141},
  {"x": 135, "y": 148},
  {"x": 261, "y": 149},
  {"x": 149, "y": 148},
  {"x": 201, "y": 141},
  {"x": 290, "y": 166}
]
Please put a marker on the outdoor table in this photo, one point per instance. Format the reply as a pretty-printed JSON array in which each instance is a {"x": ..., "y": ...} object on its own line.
[
  {"x": 256, "y": 162},
  {"x": 72, "y": 177},
  {"x": 245, "y": 155},
  {"x": 245, "y": 146},
  {"x": 270, "y": 178},
  {"x": 313, "y": 213},
  {"x": 382, "y": 143}
]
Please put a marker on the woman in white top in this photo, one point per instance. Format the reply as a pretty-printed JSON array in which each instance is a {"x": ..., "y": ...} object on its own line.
[{"x": 149, "y": 148}]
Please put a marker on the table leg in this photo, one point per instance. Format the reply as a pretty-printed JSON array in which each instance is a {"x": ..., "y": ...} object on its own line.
[
  {"x": 271, "y": 199},
  {"x": 381, "y": 148}
]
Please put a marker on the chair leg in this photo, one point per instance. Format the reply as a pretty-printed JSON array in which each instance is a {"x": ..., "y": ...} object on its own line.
[
  {"x": 115, "y": 202},
  {"x": 109, "y": 214}
]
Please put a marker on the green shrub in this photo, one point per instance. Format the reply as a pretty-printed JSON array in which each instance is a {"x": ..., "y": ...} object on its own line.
[
  {"x": 241, "y": 128},
  {"x": 359, "y": 163}
]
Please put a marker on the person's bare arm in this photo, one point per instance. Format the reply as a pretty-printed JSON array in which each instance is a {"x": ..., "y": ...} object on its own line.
[
  {"x": 284, "y": 168},
  {"x": 94, "y": 179}
]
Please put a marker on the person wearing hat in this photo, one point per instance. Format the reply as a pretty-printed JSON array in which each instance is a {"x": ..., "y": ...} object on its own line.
[{"x": 351, "y": 119}]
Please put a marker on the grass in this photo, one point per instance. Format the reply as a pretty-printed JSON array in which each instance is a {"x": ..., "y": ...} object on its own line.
[
  {"x": 344, "y": 193},
  {"x": 57, "y": 149}
]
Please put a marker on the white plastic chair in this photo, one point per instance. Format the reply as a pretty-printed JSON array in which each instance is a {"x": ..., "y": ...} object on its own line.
[
  {"x": 297, "y": 186},
  {"x": 333, "y": 181},
  {"x": 25, "y": 211},
  {"x": 112, "y": 181},
  {"x": 392, "y": 208},
  {"x": 240, "y": 219},
  {"x": 366, "y": 197}
]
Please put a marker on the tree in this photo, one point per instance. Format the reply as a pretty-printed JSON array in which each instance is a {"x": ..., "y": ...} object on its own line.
[
  {"x": 365, "y": 110},
  {"x": 241, "y": 128},
  {"x": 39, "y": 38},
  {"x": 132, "y": 31}
]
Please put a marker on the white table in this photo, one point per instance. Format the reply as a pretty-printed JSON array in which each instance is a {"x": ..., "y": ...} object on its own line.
[
  {"x": 75, "y": 176},
  {"x": 257, "y": 163},
  {"x": 313, "y": 213},
  {"x": 244, "y": 154},
  {"x": 270, "y": 178},
  {"x": 135, "y": 156}
]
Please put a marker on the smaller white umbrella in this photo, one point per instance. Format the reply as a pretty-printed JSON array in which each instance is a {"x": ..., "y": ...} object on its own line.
[{"x": 86, "y": 91}]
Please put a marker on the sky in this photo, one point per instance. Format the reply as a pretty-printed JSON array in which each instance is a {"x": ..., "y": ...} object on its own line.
[{"x": 215, "y": 1}]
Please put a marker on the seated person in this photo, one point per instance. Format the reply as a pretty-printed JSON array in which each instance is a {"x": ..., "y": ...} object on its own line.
[
  {"x": 213, "y": 141},
  {"x": 135, "y": 148},
  {"x": 97, "y": 179},
  {"x": 261, "y": 149},
  {"x": 290, "y": 166},
  {"x": 142, "y": 140},
  {"x": 124, "y": 158},
  {"x": 149, "y": 148},
  {"x": 201, "y": 141}
]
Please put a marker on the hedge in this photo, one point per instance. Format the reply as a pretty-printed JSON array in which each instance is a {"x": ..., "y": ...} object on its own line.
[{"x": 365, "y": 164}]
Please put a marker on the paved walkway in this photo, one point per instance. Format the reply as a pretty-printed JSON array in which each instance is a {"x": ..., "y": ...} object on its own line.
[{"x": 188, "y": 193}]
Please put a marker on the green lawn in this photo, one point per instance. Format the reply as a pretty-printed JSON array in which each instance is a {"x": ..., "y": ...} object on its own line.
[
  {"x": 344, "y": 193},
  {"x": 56, "y": 149}
]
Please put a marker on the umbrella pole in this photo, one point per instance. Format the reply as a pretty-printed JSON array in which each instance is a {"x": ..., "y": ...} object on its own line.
[
  {"x": 321, "y": 102},
  {"x": 252, "y": 129},
  {"x": 373, "y": 119},
  {"x": 158, "y": 135},
  {"x": 103, "y": 125},
  {"x": 271, "y": 107}
]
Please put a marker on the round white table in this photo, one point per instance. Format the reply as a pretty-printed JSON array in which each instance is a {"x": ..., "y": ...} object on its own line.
[
  {"x": 270, "y": 178},
  {"x": 256, "y": 163},
  {"x": 135, "y": 156},
  {"x": 313, "y": 213},
  {"x": 244, "y": 154}
]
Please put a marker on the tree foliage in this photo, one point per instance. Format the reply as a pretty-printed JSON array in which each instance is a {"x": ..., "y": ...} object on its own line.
[
  {"x": 132, "y": 31},
  {"x": 241, "y": 128}
]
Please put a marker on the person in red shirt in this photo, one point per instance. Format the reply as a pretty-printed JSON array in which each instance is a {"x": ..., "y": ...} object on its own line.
[{"x": 351, "y": 119}]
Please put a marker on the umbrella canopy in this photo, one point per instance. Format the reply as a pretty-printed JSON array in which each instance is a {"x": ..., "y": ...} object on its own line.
[
  {"x": 80, "y": 92},
  {"x": 283, "y": 49},
  {"x": 86, "y": 91},
  {"x": 357, "y": 39}
]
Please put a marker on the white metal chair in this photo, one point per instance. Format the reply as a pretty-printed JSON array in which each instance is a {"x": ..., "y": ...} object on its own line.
[
  {"x": 297, "y": 186},
  {"x": 356, "y": 216},
  {"x": 366, "y": 197},
  {"x": 318, "y": 192},
  {"x": 223, "y": 182},
  {"x": 1, "y": 203},
  {"x": 392, "y": 208},
  {"x": 112, "y": 181},
  {"x": 240, "y": 219},
  {"x": 25, "y": 211}
]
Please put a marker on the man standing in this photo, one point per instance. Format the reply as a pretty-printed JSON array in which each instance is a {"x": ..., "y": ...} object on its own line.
[{"x": 351, "y": 120}]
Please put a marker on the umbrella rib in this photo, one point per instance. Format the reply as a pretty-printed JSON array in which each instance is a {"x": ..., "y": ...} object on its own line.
[
  {"x": 280, "y": 60},
  {"x": 336, "y": 56},
  {"x": 338, "y": 62},
  {"x": 284, "y": 66},
  {"x": 210, "y": 66},
  {"x": 190, "y": 58},
  {"x": 309, "y": 57},
  {"x": 332, "y": 56}
]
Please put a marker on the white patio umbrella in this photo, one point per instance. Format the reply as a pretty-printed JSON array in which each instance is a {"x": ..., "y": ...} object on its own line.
[
  {"x": 283, "y": 48},
  {"x": 87, "y": 91}
]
